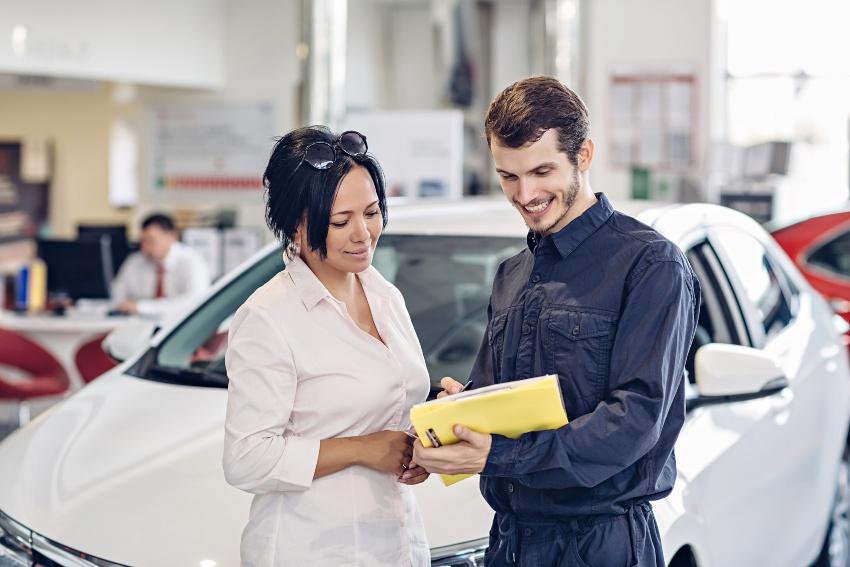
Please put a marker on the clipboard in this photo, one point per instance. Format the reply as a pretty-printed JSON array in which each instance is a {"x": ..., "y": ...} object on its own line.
[{"x": 509, "y": 409}]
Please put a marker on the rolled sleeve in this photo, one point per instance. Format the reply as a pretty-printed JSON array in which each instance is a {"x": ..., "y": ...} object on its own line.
[
  {"x": 261, "y": 452},
  {"x": 647, "y": 363}
]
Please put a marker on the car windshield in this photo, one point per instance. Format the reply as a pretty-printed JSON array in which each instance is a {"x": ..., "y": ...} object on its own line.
[{"x": 445, "y": 281}]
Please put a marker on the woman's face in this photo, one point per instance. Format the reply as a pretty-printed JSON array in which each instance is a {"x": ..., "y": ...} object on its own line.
[{"x": 355, "y": 225}]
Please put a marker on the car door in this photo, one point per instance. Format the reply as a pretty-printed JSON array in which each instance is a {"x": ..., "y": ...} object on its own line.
[
  {"x": 722, "y": 451},
  {"x": 784, "y": 492}
]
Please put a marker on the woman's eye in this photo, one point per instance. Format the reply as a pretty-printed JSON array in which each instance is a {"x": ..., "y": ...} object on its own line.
[
  {"x": 371, "y": 214},
  {"x": 339, "y": 224}
]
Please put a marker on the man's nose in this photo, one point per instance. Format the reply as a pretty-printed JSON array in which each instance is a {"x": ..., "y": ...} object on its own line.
[{"x": 527, "y": 190}]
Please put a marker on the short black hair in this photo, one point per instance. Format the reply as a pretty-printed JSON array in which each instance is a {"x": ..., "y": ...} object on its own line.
[
  {"x": 296, "y": 190},
  {"x": 161, "y": 220}
]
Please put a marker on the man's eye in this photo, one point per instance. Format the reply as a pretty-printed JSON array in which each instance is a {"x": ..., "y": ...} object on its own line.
[
  {"x": 508, "y": 177},
  {"x": 542, "y": 172}
]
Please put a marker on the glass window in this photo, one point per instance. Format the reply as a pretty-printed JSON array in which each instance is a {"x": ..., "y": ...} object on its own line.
[
  {"x": 761, "y": 285},
  {"x": 446, "y": 283},
  {"x": 194, "y": 353},
  {"x": 834, "y": 255},
  {"x": 719, "y": 315}
]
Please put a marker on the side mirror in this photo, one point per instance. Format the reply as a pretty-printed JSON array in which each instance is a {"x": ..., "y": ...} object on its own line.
[
  {"x": 128, "y": 339},
  {"x": 731, "y": 373}
]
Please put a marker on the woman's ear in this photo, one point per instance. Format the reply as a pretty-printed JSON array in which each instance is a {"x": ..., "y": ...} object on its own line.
[{"x": 299, "y": 238}]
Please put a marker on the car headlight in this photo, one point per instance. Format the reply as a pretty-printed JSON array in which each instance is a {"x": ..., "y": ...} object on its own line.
[
  {"x": 15, "y": 543},
  {"x": 469, "y": 554},
  {"x": 21, "y": 547}
]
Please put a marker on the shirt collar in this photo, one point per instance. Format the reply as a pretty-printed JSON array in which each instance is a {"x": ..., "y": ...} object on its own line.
[
  {"x": 171, "y": 257},
  {"x": 578, "y": 230},
  {"x": 311, "y": 289}
]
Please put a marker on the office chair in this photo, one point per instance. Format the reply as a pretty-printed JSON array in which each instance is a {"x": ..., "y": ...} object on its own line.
[{"x": 43, "y": 375}]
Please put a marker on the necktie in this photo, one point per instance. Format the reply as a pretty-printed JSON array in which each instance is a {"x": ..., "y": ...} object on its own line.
[{"x": 160, "y": 281}]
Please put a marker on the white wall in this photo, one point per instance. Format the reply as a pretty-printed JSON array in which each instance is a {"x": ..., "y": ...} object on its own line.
[
  {"x": 510, "y": 44},
  {"x": 647, "y": 36},
  {"x": 151, "y": 41},
  {"x": 368, "y": 46},
  {"x": 411, "y": 59},
  {"x": 390, "y": 63},
  {"x": 260, "y": 66}
]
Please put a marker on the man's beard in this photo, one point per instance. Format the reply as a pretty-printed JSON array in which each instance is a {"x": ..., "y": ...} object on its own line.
[{"x": 570, "y": 197}]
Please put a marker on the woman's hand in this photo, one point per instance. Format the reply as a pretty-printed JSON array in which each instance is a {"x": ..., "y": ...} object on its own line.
[
  {"x": 414, "y": 474},
  {"x": 386, "y": 451}
]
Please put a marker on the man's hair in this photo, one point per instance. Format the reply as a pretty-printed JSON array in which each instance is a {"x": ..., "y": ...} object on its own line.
[
  {"x": 296, "y": 190},
  {"x": 161, "y": 220},
  {"x": 524, "y": 111}
]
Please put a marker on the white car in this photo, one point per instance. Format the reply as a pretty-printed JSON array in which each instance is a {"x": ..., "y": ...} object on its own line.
[{"x": 128, "y": 470}]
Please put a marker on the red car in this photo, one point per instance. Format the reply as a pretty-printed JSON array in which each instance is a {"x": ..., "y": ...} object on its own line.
[{"x": 820, "y": 246}]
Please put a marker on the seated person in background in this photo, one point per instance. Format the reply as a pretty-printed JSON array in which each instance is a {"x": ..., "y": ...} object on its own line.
[{"x": 164, "y": 277}]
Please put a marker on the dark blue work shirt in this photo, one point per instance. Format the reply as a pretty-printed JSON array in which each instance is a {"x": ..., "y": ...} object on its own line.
[{"x": 610, "y": 306}]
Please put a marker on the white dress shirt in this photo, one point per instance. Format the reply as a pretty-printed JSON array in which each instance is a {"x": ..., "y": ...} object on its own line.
[
  {"x": 301, "y": 370},
  {"x": 186, "y": 277}
]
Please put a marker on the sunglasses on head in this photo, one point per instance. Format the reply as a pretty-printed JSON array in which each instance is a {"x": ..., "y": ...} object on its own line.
[{"x": 322, "y": 155}]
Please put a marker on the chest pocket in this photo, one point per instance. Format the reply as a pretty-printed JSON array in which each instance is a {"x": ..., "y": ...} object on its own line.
[{"x": 578, "y": 350}]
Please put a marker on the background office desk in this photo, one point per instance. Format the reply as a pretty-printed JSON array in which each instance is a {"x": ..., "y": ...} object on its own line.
[{"x": 63, "y": 335}]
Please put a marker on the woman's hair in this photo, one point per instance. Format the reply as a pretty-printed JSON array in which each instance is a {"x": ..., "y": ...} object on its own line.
[
  {"x": 524, "y": 111},
  {"x": 295, "y": 190}
]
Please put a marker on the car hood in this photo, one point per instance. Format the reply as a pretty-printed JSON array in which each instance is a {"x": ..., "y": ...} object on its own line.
[{"x": 129, "y": 470}]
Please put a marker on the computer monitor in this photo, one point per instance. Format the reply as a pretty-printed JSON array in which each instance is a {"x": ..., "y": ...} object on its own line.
[
  {"x": 77, "y": 268},
  {"x": 118, "y": 239}
]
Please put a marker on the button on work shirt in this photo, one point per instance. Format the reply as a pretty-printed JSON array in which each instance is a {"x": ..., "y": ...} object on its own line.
[
  {"x": 609, "y": 305},
  {"x": 301, "y": 370},
  {"x": 185, "y": 277}
]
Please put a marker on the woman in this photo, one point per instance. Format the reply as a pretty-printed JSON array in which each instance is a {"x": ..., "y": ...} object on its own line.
[{"x": 324, "y": 366}]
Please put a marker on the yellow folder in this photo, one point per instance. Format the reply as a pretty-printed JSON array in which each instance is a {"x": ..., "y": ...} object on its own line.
[{"x": 509, "y": 409}]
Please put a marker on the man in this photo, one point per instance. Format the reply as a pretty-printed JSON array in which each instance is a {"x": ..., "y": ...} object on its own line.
[
  {"x": 607, "y": 304},
  {"x": 164, "y": 277}
]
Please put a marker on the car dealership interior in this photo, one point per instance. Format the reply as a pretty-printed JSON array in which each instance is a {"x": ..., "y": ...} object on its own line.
[{"x": 142, "y": 148}]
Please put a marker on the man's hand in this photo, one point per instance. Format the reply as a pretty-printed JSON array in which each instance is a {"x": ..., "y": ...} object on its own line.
[
  {"x": 468, "y": 456},
  {"x": 129, "y": 307},
  {"x": 450, "y": 386}
]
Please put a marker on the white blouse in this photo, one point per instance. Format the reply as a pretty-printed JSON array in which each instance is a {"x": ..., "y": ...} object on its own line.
[{"x": 300, "y": 371}]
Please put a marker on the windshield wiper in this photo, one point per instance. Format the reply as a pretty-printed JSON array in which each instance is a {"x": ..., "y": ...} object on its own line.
[{"x": 188, "y": 376}]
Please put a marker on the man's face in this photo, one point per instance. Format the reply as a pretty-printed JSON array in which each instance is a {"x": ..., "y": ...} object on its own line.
[
  {"x": 156, "y": 242},
  {"x": 539, "y": 181}
]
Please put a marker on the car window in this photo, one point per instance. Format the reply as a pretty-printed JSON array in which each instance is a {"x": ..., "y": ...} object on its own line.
[
  {"x": 194, "y": 352},
  {"x": 720, "y": 319},
  {"x": 762, "y": 284},
  {"x": 445, "y": 281},
  {"x": 833, "y": 256}
]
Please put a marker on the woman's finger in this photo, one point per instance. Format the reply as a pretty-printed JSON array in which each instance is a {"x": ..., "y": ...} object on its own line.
[
  {"x": 422, "y": 477},
  {"x": 413, "y": 470}
]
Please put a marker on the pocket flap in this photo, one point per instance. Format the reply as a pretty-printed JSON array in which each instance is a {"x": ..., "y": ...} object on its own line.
[{"x": 576, "y": 325}]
